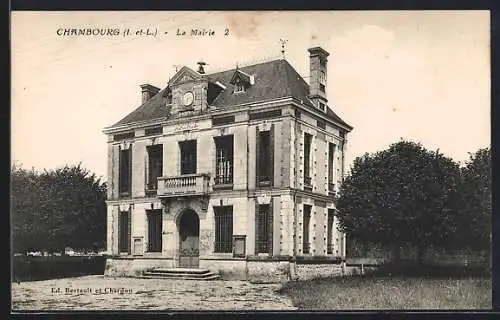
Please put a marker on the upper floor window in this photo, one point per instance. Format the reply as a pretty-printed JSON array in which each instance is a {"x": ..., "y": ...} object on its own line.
[
  {"x": 125, "y": 172},
  {"x": 188, "y": 156},
  {"x": 331, "y": 157},
  {"x": 307, "y": 160},
  {"x": 224, "y": 160},
  {"x": 265, "y": 157},
  {"x": 154, "y": 166}
]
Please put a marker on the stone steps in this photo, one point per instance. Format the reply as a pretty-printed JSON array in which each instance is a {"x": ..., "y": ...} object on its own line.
[{"x": 180, "y": 273}]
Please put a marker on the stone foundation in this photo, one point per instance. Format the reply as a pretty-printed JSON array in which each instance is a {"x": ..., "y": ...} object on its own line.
[
  {"x": 129, "y": 267},
  {"x": 252, "y": 269},
  {"x": 228, "y": 269}
]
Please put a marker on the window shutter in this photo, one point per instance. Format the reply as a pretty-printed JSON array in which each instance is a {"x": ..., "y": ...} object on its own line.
[
  {"x": 257, "y": 157},
  {"x": 130, "y": 171},
  {"x": 271, "y": 146},
  {"x": 270, "y": 227},
  {"x": 256, "y": 225},
  {"x": 146, "y": 171},
  {"x": 129, "y": 233}
]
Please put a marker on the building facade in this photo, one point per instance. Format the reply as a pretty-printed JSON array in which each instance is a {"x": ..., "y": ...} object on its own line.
[{"x": 226, "y": 171}]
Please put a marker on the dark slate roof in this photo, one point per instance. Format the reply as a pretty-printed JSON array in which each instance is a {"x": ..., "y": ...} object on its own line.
[{"x": 273, "y": 80}]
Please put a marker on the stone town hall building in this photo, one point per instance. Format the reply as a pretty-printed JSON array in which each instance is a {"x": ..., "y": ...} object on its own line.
[{"x": 232, "y": 171}]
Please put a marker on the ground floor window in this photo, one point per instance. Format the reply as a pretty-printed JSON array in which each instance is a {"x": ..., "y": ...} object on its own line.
[
  {"x": 264, "y": 217},
  {"x": 329, "y": 244},
  {"x": 124, "y": 232},
  {"x": 223, "y": 229},
  {"x": 306, "y": 246},
  {"x": 154, "y": 230}
]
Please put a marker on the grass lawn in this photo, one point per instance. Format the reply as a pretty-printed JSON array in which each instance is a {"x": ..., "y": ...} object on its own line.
[{"x": 390, "y": 293}]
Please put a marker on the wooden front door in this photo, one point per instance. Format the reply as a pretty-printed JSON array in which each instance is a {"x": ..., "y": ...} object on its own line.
[{"x": 189, "y": 234}]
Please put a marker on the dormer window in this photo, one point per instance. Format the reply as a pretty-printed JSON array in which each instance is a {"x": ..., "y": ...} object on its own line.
[
  {"x": 321, "y": 106},
  {"x": 239, "y": 87},
  {"x": 241, "y": 81}
]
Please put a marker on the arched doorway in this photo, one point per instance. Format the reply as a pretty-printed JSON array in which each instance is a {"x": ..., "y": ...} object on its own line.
[{"x": 189, "y": 234}]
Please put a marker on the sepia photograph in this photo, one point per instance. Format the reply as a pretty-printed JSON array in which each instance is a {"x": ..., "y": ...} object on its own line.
[{"x": 250, "y": 160}]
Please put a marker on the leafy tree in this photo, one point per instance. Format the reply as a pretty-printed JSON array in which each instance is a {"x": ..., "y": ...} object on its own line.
[
  {"x": 58, "y": 208},
  {"x": 475, "y": 202},
  {"x": 404, "y": 195},
  {"x": 25, "y": 199}
]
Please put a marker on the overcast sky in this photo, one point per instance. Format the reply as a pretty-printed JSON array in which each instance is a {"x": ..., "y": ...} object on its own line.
[{"x": 423, "y": 76}]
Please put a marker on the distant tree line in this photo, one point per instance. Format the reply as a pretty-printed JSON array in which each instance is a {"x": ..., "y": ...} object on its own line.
[
  {"x": 409, "y": 197},
  {"x": 55, "y": 209}
]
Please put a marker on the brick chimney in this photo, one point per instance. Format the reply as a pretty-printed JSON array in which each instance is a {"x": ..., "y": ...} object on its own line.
[
  {"x": 318, "y": 59},
  {"x": 148, "y": 91}
]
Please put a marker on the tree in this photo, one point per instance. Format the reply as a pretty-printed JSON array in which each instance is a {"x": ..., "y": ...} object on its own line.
[
  {"x": 475, "y": 202},
  {"x": 25, "y": 199},
  {"x": 404, "y": 195},
  {"x": 58, "y": 208}
]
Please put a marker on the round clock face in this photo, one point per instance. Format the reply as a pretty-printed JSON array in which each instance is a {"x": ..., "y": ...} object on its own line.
[{"x": 188, "y": 98}]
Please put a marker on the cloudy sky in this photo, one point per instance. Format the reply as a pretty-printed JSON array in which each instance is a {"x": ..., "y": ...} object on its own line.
[{"x": 423, "y": 76}]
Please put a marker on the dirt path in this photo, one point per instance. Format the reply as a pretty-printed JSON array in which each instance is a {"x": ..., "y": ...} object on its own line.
[{"x": 104, "y": 293}]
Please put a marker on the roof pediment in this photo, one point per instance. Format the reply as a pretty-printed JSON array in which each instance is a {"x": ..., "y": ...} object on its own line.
[
  {"x": 184, "y": 75},
  {"x": 241, "y": 76}
]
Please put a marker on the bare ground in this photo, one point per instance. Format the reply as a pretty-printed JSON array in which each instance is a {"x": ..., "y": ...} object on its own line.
[{"x": 108, "y": 293}]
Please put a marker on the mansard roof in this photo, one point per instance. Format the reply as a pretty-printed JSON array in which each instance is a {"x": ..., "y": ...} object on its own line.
[{"x": 273, "y": 80}]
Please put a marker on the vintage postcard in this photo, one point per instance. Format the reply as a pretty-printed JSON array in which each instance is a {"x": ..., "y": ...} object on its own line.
[{"x": 271, "y": 160}]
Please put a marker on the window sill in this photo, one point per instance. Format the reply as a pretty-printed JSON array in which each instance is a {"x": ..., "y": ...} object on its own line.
[
  {"x": 223, "y": 186},
  {"x": 264, "y": 183}
]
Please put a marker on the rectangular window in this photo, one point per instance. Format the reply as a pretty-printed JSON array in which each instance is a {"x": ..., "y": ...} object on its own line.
[
  {"x": 154, "y": 230},
  {"x": 264, "y": 238},
  {"x": 322, "y": 87},
  {"x": 154, "y": 166},
  {"x": 307, "y": 159},
  {"x": 329, "y": 232},
  {"x": 223, "y": 229},
  {"x": 331, "y": 157},
  {"x": 153, "y": 131},
  {"x": 125, "y": 173},
  {"x": 222, "y": 120},
  {"x": 264, "y": 157},
  {"x": 124, "y": 136},
  {"x": 305, "y": 231},
  {"x": 124, "y": 232},
  {"x": 188, "y": 157},
  {"x": 224, "y": 160},
  {"x": 265, "y": 114}
]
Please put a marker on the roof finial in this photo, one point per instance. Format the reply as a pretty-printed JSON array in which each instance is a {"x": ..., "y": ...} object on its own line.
[
  {"x": 283, "y": 42},
  {"x": 177, "y": 66}
]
